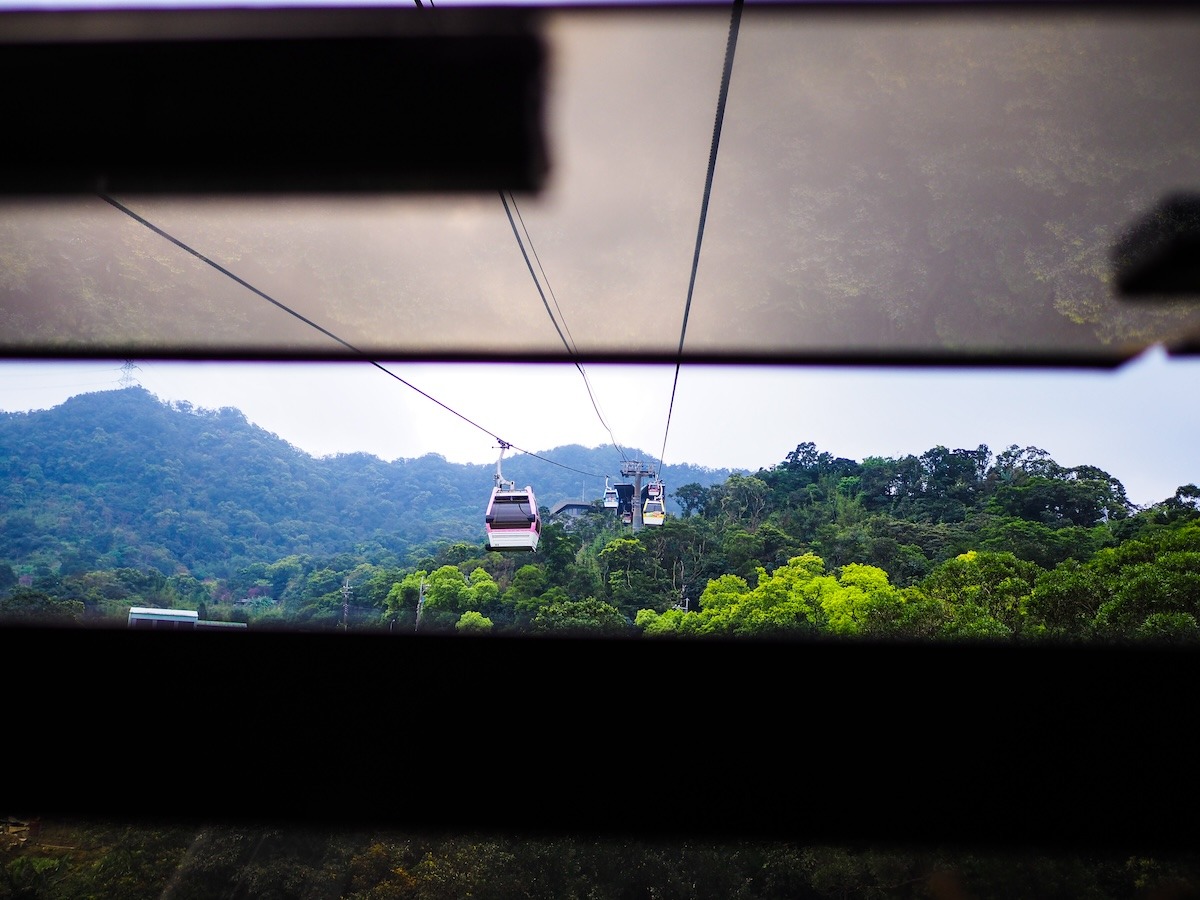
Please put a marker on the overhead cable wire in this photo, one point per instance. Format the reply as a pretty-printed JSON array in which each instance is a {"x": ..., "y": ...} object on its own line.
[
  {"x": 325, "y": 331},
  {"x": 572, "y": 350},
  {"x": 570, "y": 346},
  {"x": 730, "y": 46},
  {"x": 529, "y": 265}
]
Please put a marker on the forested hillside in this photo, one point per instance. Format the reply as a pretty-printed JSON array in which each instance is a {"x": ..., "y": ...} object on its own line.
[
  {"x": 119, "y": 479},
  {"x": 116, "y": 499}
]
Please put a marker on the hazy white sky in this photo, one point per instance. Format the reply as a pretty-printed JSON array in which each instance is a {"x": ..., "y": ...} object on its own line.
[{"x": 1140, "y": 423}]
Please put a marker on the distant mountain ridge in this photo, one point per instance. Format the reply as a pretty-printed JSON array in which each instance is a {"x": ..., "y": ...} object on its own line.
[{"x": 121, "y": 478}]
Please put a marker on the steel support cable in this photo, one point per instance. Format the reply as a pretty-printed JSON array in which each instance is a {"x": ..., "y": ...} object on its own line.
[
  {"x": 325, "y": 331},
  {"x": 529, "y": 265},
  {"x": 730, "y": 46},
  {"x": 570, "y": 347},
  {"x": 569, "y": 344}
]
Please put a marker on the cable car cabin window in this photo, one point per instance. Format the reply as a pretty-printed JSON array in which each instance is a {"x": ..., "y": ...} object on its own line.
[
  {"x": 511, "y": 512},
  {"x": 512, "y": 520}
]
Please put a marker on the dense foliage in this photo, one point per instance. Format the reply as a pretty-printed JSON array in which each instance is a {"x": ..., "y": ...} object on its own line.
[
  {"x": 72, "y": 859},
  {"x": 115, "y": 499}
]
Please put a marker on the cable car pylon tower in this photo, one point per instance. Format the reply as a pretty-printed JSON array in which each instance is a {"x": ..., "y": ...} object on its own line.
[{"x": 637, "y": 470}]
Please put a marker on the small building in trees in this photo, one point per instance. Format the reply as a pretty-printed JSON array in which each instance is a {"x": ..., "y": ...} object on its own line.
[
  {"x": 153, "y": 618},
  {"x": 147, "y": 617},
  {"x": 568, "y": 510}
]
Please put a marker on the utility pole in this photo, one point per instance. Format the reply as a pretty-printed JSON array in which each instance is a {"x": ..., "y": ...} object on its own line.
[
  {"x": 346, "y": 605},
  {"x": 420, "y": 604}
]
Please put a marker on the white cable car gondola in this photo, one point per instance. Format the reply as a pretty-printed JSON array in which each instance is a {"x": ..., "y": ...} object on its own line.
[
  {"x": 512, "y": 520},
  {"x": 611, "y": 500},
  {"x": 653, "y": 513},
  {"x": 654, "y": 510}
]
